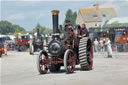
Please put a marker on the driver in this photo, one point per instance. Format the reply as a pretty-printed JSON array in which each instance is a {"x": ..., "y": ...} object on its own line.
[
  {"x": 84, "y": 31},
  {"x": 68, "y": 27}
]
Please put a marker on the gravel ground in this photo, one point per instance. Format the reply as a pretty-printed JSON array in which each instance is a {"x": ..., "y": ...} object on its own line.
[{"x": 19, "y": 68}]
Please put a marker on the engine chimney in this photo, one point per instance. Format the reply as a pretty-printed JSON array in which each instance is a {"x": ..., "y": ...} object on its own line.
[
  {"x": 38, "y": 32},
  {"x": 55, "y": 20}
]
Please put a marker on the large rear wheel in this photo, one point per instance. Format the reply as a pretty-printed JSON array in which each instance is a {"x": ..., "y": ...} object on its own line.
[
  {"x": 86, "y": 53},
  {"x": 69, "y": 61},
  {"x": 42, "y": 62}
]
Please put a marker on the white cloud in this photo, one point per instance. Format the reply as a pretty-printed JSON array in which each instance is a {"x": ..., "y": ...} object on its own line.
[
  {"x": 109, "y": 4},
  {"x": 18, "y": 16},
  {"x": 115, "y": 4}
]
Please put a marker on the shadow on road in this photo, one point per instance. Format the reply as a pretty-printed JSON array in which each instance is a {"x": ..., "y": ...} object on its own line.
[{"x": 63, "y": 71}]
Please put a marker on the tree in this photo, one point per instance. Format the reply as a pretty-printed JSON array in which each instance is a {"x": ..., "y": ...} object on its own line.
[
  {"x": 74, "y": 18},
  {"x": 6, "y": 27},
  {"x": 18, "y": 29},
  {"x": 42, "y": 29},
  {"x": 9, "y": 28},
  {"x": 48, "y": 30},
  {"x": 68, "y": 15},
  {"x": 71, "y": 16}
]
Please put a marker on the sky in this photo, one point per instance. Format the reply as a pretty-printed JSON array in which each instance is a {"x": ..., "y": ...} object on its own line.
[{"x": 27, "y": 13}]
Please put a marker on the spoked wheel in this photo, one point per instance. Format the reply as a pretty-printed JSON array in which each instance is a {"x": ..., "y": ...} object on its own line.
[
  {"x": 23, "y": 48},
  {"x": 69, "y": 61},
  {"x": 42, "y": 62},
  {"x": 31, "y": 50},
  {"x": 86, "y": 54}
]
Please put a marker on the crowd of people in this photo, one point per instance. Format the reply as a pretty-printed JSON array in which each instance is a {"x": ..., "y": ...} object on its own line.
[{"x": 103, "y": 45}]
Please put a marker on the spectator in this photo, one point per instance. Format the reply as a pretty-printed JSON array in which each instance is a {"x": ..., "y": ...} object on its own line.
[
  {"x": 84, "y": 31},
  {"x": 96, "y": 45},
  {"x": 5, "y": 48},
  {"x": 105, "y": 46},
  {"x": 101, "y": 42},
  {"x": 109, "y": 49}
]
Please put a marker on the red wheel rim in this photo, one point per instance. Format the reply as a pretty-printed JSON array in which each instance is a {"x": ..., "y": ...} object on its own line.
[
  {"x": 23, "y": 48},
  {"x": 44, "y": 63},
  {"x": 91, "y": 58},
  {"x": 71, "y": 62}
]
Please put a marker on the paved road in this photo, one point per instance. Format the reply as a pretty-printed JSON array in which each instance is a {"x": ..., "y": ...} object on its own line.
[{"x": 19, "y": 68}]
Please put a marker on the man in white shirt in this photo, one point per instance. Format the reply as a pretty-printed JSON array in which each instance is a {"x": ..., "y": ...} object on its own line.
[
  {"x": 109, "y": 49},
  {"x": 96, "y": 45}
]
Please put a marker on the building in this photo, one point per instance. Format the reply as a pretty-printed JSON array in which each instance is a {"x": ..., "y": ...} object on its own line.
[{"x": 93, "y": 17}]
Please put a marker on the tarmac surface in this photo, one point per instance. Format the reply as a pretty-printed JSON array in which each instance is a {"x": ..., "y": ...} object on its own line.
[{"x": 19, "y": 68}]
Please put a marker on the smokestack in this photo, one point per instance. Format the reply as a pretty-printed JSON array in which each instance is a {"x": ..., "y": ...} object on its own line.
[
  {"x": 55, "y": 20},
  {"x": 38, "y": 32}
]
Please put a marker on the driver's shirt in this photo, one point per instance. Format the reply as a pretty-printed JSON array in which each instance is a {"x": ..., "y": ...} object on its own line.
[{"x": 84, "y": 31}]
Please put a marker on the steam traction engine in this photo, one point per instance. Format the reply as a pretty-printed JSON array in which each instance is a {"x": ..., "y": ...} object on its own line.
[
  {"x": 36, "y": 43},
  {"x": 66, "y": 49},
  {"x": 21, "y": 42}
]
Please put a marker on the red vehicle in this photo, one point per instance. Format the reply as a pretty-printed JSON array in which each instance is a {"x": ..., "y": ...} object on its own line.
[
  {"x": 2, "y": 50},
  {"x": 21, "y": 42},
  {"x": 122, "y": 41}
]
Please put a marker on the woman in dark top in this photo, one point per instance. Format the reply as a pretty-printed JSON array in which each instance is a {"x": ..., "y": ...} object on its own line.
[{"x": 84, "y": 31}]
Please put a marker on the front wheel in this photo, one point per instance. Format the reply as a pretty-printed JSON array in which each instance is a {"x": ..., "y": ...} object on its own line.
[
  {"x": 42, "y": 62},
  {"x": 69, "y": 61}
]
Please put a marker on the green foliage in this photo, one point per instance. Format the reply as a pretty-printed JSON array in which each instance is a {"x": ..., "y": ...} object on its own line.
[
  {"x": 74, "y": 18},
  {"x": 42, "y": 29},
  {"x": 48, "y": 30},
  {"x": 38, "y": 26},
  {"x": 71, "y": 16},
  {"x": 18, "y": 29},
  {"x": 9, "y": 28},
  {"x": 6, "y": 27}
]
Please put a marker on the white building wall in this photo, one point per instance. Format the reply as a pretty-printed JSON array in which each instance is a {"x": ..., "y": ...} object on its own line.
[
  {"x": 93, "y": 24},
  {"x": 80, "y": 21}
]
